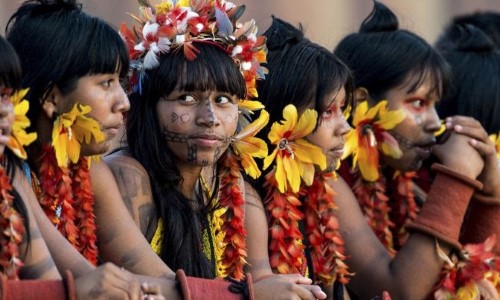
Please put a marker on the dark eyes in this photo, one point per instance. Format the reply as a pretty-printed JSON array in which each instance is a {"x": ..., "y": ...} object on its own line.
[
  {"x": 6, "y": 94},
  {"x": 418, "y": 103},
  {"x": 218, "y": 99},
  {"x": 335, "y": 108}
]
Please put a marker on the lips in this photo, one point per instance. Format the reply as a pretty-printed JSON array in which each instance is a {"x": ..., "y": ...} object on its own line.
[
  {"x": 207, "y": 140},
  {"x": 337, "y": 152},
  {"x": 111, "y": 131},
  {"x": 424, "y": 150}
]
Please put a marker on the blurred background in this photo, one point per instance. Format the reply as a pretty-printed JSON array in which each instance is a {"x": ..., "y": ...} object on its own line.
[{"x": 325, "y": 21}]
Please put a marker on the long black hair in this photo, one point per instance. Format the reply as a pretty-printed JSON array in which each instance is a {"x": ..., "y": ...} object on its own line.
[
  {"x": 475, "y": 65},
  {"x": 58, "y": 44},
  {"x": 382, "y": 56},
  {"x": 213, "y": 69},
  {"x": 10, "y": 77}
]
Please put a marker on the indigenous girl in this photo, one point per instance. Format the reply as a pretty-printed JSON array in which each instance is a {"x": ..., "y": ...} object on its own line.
[
  {"x": 397, "y": 70},
  {"x": 317, "y": 218},
  {"x": 73, "y": 64},
  {"x": 475, "y": 61},
  {"x": 24, "y": 253},
  {"x": 194, "y": 66}
]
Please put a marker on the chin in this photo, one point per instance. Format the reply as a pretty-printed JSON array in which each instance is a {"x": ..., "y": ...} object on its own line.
[
  {"x": 407, "y": 163},
  {"x": 95, "y": 149}
]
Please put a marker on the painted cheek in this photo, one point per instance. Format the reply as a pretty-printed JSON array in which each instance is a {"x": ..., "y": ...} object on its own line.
[{"x": 183, "y": 118}]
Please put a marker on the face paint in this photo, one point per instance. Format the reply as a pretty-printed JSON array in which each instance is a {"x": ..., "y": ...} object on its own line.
[{"x": 197, "y": 126}]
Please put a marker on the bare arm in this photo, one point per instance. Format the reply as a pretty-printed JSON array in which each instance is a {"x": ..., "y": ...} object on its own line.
[
  {"x": 410, "y": 275},
  {"x": 120, "y": 239},
  {"x": 288, "y": 286},
  {"x": 415, "y": 270},
  {"x": 38, "y": 263}
]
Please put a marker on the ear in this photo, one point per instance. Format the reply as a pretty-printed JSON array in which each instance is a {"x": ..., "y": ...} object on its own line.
[
  {"x": 360, "y": 94},
  {"x": 49, "y": 104}
]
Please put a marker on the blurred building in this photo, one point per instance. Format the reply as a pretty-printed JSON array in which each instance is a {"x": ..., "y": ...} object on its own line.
[{"x": 325, "y": 21}]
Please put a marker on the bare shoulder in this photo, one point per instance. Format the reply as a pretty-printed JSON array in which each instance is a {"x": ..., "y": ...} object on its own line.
[
  {"x": 134, "y": 187},
  {"x": 122, "y": 160},
  {"x": 252, "y": 197}
]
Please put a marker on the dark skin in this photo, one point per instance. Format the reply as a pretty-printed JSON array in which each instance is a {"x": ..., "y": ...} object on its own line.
[
  {"x": 106, "y": 282},
  {"x": 119, "y": 240},
  {"x": 209, "y": 123}
]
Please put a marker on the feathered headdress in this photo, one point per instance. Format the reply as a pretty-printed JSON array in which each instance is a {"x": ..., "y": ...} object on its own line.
[{"x": 176, "y": 25}]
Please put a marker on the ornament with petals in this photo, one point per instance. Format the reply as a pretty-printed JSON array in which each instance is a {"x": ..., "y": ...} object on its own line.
[
  {"x": 11, "y": 230},
  {"x": 71, "y": 130},
  {"x": 179, "y": 25},
  {"x": 295, "y": 157},
  {"x": 247, "y": 146},
  {"x": 474, "y": 274},
  {"x": 370, "y": 135},
  {"x": 19, "y": 137}
]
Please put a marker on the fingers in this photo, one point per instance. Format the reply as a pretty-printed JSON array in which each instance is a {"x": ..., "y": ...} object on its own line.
[
  {"x": 474, "y": 132},
  {"x": 120, "y": 280},
  {"x": 296, "y": 278},
  {"x": 463, "y": 121},
  {"x": 306, "y": 293},
  {"x": 151, "y": 291},
  {"x": 315, "y": 290},
  {"x": 487, "y": 150},
  {"x": 303, "y": 288}
]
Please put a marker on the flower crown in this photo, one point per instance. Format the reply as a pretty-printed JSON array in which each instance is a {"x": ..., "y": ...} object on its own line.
[{"x": 176, "y": 25}]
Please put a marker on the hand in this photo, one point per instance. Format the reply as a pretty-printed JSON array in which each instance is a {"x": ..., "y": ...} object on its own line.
[
  {"x": 151, "y": 292},
  {"x": 291, "y": 286},
  {"x": 108, "y": 282},
  {"x": 490, "y": 175},
  {"x": 458, "y": 154}
]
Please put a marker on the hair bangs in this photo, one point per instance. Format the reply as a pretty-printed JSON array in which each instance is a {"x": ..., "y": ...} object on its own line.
[
  {"x": 106, "y": 51},
  {"x": 212, "y": 69},
  {"x": 434, "y": 69},
  {"x": 333, "y": 76},
  {"x": 10, "y": 68}
]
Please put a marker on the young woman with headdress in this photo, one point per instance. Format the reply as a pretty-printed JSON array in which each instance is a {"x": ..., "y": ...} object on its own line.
[
  {"x": 194, "y": 71},
  {"x": 396, "y": 69}
]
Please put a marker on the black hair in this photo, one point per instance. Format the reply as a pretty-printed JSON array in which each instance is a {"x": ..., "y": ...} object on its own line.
[
  {"x": 301, "y": 72},
  {"x": 487, "y": 21},
  {"x": 10, "y": 77},
  {"x": 382, "y": 56},
  {"x": 58, "y": 44},
  {"x": 10, "y": 68},
  {"x": 213, "y": 69},
  {"x": 475, "y": 66}
]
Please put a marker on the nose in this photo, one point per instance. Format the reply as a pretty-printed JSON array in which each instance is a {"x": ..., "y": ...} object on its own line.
[
  {"x": 122, "y": 104},
  {"x": 342, "y": 127},
  {"x": 206, "y": 114},
  {"x": 431, "y": 122}
]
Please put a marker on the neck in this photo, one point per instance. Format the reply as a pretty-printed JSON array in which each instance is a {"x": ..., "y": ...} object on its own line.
[
  {"x": 44, "y": 136},
  {"x": 190, "y": 174}
]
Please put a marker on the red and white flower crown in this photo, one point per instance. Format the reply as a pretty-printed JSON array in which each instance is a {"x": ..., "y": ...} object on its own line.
[{"x": 175, "y": 25}]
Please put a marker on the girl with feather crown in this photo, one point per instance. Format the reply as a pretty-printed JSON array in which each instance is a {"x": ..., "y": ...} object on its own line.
[{"x": 194, "y": 67}]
